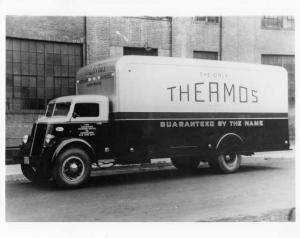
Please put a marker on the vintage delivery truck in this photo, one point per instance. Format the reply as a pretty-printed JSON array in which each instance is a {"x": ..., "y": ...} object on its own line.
[{"x": 136, "y": 108}]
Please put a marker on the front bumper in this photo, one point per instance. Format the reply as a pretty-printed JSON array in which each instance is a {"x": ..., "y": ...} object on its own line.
[{"x": 24, "y": 156}]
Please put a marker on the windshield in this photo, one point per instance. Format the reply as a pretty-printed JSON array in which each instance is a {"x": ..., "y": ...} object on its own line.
[
  {"x": 60, "y": 109},
  {"x": 49, "y": 110}
]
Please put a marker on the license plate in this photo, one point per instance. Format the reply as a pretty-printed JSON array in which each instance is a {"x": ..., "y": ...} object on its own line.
[{"x": 26, "y": 160}]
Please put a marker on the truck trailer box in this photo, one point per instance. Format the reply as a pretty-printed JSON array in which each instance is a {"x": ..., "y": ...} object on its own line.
[
  {"x": 179, "y": 104},
  {"x": 136, "y": 108}
]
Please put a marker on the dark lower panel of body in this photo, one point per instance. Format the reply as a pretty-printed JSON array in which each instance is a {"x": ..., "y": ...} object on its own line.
[
  {"x": 167, "y": 138},
  {"x": 138, "y": 140}
]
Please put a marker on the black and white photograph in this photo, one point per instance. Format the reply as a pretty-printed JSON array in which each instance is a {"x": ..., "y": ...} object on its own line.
[{"x": 149, "y": 118}]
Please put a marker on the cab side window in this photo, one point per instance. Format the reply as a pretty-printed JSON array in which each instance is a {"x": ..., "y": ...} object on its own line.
[{"x": 86, "y": 110}]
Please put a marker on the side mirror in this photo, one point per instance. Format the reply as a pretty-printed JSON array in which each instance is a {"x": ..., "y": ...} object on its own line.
[{"x": 74, "y": 115}]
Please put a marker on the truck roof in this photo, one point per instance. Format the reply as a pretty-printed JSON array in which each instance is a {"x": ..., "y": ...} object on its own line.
[
  {"x": 124, "y": 60},
  {"x": 196, "y": 62},
  {"x": 92, "y": 68},
  {"x": 80, "y": 98}
]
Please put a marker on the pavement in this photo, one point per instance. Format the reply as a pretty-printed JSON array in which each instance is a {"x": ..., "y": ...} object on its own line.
[
  {"x": 13, "y": 172},
  {"x": 136, "y": 189},
  {"x": 14, "y": 176},
  {"x": 263, "y": 190}
]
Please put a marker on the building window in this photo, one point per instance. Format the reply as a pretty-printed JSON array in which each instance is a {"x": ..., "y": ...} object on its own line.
[
  {"x": 206, "y": 55},
  {"x": 165, "y": 18},
  {"x": 38, "y": 71},
  {"x": 140, "y": 51},
  {"x": 288, "y": 62},
  {"x": 289, "y": 22},
  {"x": 207, "y": 19},
  {"x": 278, "y": 22}
]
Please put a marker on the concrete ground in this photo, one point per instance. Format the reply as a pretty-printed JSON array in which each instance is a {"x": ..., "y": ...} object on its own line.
[{"x": 262, "y": 191}]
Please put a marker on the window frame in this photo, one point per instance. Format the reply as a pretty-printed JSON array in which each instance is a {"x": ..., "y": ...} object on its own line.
[
  {"x": 87, "y": 103},
  {"x": 141, "y": 49},
  {"x": 31, "y": 61},
  {"x": 281, "y": 23},
  {"x": 216, "y": 53},
  {"x": 206, "y": 20},
  {"x": 61, "y": 103},
  {"x": 86, "y": 119},
  {"x": 151, "y": 18}
]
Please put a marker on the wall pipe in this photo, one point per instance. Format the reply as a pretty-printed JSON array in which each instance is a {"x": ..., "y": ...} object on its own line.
[{"x": 220, "y": 38}]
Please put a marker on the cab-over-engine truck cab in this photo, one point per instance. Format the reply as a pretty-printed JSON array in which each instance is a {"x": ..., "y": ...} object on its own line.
[{"x": 133, "y": 109}]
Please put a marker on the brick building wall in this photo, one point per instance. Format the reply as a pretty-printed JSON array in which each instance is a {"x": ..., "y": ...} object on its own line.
[
  {"x": 61, "y": 29},
  {"x": 17, "y": 125},
  {"x": 97, "y": 38},
  {"x": 189, "y": 35},
  {"x": 106, "y": 36},
  {"x": 52, "y": 29},
  {"x": 244, "y": 40}
]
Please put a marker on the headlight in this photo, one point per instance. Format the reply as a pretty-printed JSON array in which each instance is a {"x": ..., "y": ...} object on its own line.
[
  {"x": 25, "y": 139},
  {"x": 48, "y": 138}
]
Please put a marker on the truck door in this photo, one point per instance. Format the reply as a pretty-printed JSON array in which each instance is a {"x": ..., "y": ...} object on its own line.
[{"x": 90, "y": 120}]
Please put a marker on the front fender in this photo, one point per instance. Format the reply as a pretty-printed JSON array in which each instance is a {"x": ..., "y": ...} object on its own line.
[{"x": 74, "y": 142}]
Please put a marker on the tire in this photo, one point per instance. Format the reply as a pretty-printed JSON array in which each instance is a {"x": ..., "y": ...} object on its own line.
[
  {"x": 186, "y": 164},
  {"x": 226, "y": 163},
  {"x": 72, "y": 168},
  {"x": 34, "y": 174}
]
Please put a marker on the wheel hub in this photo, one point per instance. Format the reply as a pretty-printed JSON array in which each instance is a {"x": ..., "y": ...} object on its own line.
[
  {"x": 73, "y": 167},
  {"x": 230, "y": 158}
]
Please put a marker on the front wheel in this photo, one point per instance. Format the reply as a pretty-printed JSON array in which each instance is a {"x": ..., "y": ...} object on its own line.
[
  {"x": 72, "y": 168},
  {"x": 226, "y": 163}
]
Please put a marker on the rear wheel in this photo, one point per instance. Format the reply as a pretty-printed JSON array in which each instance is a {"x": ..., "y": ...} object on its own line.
[
  {"x": 226, "y": 162},
  {"x": 34, "y": 174},
  {"x": 72, "y": 168},
  {"x": 186, "y": 164}
]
